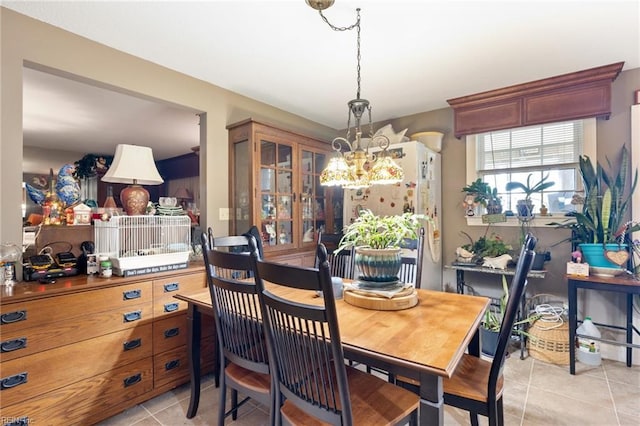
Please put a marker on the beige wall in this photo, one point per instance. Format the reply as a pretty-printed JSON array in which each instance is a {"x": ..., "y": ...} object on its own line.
[{"x": 28, "y": 41}]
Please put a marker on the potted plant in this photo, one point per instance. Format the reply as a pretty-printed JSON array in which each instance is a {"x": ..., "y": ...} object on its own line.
[
  {"x": 378, "y": 241},
  {"x": 487, "y": 246},
  {"x": 601, "y": 226},
  {"x": 490, "y": 326},
  {"x": 525, "y": 206},
  {"x": 481, "y": 193}
]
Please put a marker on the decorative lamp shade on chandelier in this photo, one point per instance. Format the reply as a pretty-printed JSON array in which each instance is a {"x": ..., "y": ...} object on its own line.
[
  {"x": 134, "y": 165},
  {"x": 357, "y": 167}
]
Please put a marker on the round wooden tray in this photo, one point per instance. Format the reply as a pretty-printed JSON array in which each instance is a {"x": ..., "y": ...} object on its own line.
[{"x": 397, "y": 303}]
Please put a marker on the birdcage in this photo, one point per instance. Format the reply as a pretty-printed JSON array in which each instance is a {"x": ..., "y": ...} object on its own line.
[{"x": 144, "y": 244}]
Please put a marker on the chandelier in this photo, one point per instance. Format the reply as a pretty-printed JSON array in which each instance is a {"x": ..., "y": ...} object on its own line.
[{"x": 357, "y": 167}]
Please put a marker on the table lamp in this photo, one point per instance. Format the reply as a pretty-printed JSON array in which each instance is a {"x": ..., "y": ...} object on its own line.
[
  {"x": 183, "y": 195},
  {"x": 134, "y": 165}
]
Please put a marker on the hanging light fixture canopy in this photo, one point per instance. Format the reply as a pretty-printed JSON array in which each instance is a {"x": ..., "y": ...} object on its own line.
[{"x": 357, "y": 167}]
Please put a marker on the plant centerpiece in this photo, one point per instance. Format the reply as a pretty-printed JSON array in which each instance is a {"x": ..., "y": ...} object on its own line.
[
  {"x": 600, "y": 230},
  {"x": 378, "y": 241},
  {"x": 479, "y": 192},
  {"x": 525, "y": 206}
]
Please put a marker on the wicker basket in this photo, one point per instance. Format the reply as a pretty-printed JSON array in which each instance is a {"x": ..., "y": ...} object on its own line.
[{"x": 549, "y": 344}]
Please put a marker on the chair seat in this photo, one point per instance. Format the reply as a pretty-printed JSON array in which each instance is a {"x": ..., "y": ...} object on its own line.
[
  {"x": 251, "y": 380},
  {"x": 471, "y": 379},
  {"x": 373, "y": 401}
]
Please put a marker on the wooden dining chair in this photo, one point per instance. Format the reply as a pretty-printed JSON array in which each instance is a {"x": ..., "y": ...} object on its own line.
[
  {"x": 307, "y": 361},
  {"x": 477, "y": 385},
  {"x": 341, "y": 263},
  {"x": 411, "y": 269},
  {"x": 244, "y": 364}
]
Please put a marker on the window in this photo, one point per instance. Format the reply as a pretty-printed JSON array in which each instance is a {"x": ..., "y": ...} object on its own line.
[{"x": 508, "y": 155}]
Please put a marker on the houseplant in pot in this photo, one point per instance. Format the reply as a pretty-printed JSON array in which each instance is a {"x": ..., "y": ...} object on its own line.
[
  {"x": 378, "y": 241},
  {"x": 600, "y": 229},
  {"x": 481, "y": 193},
  {"x": 490, "y": 326},
  {"x": 525, "y": 206}
]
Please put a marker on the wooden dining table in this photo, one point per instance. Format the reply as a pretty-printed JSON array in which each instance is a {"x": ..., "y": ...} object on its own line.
[{"x": 425, "y": 342}]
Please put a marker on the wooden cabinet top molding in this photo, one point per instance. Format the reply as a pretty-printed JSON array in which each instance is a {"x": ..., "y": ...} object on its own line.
[{"x": 476, "y": 113}]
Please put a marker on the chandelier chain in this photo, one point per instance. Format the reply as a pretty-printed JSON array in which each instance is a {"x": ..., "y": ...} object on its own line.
[{"x": 348, "y": 28}]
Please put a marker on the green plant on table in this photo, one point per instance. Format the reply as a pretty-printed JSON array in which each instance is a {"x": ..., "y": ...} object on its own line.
[
  {"x": 491, "y": 246},
  {"x": 603, "y": 215},
  {"x": 379, "y": 232}
]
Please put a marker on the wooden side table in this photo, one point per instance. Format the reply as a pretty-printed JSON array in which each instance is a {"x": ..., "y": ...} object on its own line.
[{"x": 623, "y": 284}]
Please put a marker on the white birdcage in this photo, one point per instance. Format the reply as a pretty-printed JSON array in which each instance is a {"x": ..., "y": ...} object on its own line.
[{"x": 144, "y": 244}]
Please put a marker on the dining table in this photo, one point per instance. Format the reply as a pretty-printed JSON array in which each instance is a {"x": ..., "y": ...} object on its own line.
[{"x": 425, "y": 342}]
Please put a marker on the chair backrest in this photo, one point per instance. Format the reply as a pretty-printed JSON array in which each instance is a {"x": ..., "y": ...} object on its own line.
[
  {"x": 237, "y": 308},
  {"x": 341, "y": 264},
  {"x": 228, "y": 244},
  {"x": 411, "y": 269},
  {"x": 304, "y": 340},
  {"x": 516, "y": 290}
]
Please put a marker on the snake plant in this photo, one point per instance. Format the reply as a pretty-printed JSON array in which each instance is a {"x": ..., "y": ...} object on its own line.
[{"x": 603, "y": 216}]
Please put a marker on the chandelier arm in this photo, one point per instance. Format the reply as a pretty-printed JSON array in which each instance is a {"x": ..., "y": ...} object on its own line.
[
  {"x": 381, "y": 141},
  {"x": 336, "y": 144}
]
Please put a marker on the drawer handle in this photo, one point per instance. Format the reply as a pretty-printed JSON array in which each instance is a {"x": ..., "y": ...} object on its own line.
[
  {"x": 132, "y": 344},
  {"x": 11, "y": 317},
  {"x": 171, "y": 332},
  {"x": 132, "y": 316},
  {"x": 20, "y": 421},
  {"x": 13, "y": 345},
  {"x": 13, "y": 381},
  {"x": 170, "y": 307},
  {"x": 171, "y": 287},
  {"x": 132, "y": 380},
  {"x": 131, "y": 294},
  {"x": 172, "y": 364}
]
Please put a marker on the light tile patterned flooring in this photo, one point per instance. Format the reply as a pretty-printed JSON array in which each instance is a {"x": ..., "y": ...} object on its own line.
[{"x": 536, "y": 393}]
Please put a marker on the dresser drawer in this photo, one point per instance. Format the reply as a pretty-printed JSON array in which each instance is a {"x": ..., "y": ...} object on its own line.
[
  {"x": 43, "y": 312},
  {"x": 33, "y": 375},
  {"x": 18, "y": 343},
  {"x": 171, "y": 332},
  {"x": 173, "y": 365},
  {"x": 163, "y": 291},
  {"x": 86, "y": 401}
]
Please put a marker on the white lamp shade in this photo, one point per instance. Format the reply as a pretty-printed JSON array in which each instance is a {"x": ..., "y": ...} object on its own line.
[{"x": 133, "y": 164}]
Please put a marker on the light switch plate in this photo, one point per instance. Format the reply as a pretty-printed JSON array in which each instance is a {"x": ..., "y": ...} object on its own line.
[{"x": 224, "y": 213}]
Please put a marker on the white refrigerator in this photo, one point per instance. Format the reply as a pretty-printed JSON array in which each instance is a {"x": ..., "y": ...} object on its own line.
[{"x": 420, "y": 192}]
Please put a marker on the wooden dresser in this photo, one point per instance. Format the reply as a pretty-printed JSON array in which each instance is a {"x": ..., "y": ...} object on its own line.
[{"x": 86, "y": 348}]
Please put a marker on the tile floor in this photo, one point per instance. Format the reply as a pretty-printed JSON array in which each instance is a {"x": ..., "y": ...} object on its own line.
[{"x": 536, "y": 393}]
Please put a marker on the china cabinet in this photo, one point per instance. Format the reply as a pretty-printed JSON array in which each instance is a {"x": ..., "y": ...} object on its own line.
[{"x": 275, "y": 186}]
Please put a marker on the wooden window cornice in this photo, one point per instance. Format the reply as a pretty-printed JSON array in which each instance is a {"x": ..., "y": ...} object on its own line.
[{"x": 580, "y": 94}]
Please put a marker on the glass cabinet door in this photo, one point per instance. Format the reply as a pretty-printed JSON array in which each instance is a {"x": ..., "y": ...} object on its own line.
[
  {"x": 276, "y": 193},
  {"x": 243, "y": 193},
  {"x": 312, "y": 196}
]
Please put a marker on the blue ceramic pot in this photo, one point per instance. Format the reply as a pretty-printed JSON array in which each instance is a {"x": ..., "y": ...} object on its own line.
[
  {"x": 378, "y": 265},
  {"x": 594, "y": 254}
]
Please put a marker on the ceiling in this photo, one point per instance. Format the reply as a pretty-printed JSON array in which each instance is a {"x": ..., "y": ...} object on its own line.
[{"x": 416, "y": 54}]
